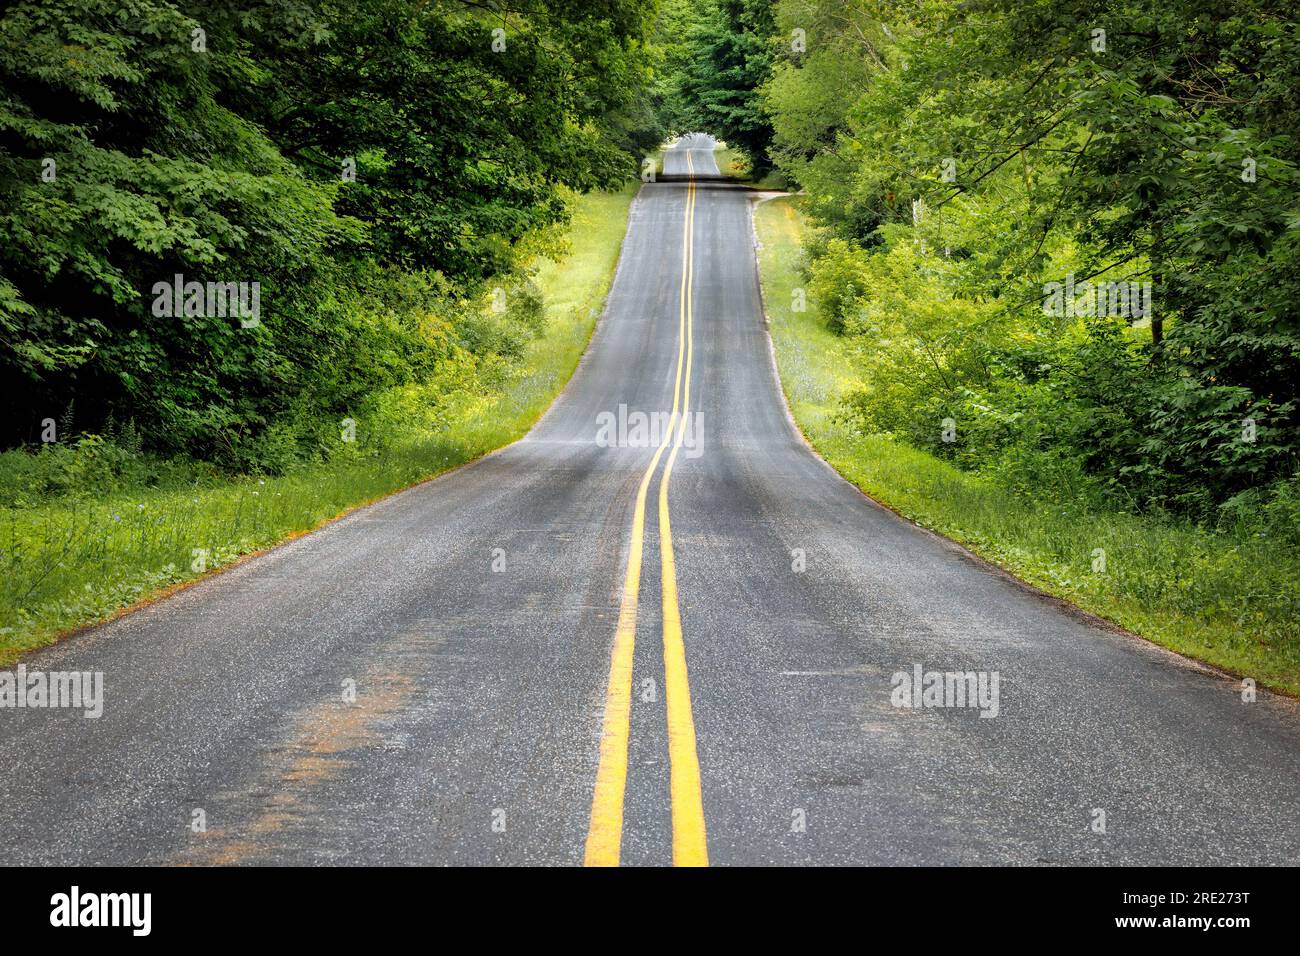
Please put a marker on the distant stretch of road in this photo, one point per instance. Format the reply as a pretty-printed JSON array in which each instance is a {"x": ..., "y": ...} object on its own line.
[{"x": 615, "y": 644}]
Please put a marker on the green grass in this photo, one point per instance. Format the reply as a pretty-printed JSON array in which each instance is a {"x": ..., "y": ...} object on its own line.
[
  {"x": 731, "y": 162},
  {"x": 70, "y": 561},
  {"x": 1229, "y": 601}
]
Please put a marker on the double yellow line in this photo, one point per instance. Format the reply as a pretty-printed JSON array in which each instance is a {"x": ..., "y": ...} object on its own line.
[{"x": 605, "y": 832}]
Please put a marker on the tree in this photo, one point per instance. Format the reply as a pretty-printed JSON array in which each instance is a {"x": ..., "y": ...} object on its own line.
[
  {"x": 731, "y": 57},
  {"x": 358, "y": 163}
]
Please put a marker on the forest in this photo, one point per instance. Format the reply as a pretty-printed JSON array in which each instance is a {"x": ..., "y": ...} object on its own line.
[
  {"x": 382, "y": 173},
  {"x": 1058, "y": 238},
  {"x": 378, "y": 169}
]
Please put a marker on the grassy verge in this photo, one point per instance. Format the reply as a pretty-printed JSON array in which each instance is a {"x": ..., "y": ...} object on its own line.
[
  {"x": 1229, "y": 601},
  {"x": 68, "y": 562}
]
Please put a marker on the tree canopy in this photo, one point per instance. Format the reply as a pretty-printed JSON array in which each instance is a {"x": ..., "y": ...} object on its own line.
[
  {"x": 967, "y": 159},
  {"x": 365, "y": 163}
]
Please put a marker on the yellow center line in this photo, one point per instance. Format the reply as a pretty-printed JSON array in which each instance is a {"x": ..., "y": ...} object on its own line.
[
  {"x": 689, "y": 844},
  {"x": 605, "y": 830}
]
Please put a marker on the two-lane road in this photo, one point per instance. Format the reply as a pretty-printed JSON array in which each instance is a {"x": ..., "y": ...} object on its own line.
[{"x": 510, "y": 708}]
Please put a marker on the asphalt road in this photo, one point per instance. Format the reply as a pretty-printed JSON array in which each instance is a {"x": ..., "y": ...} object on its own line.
[{"x": 488, "y": 720}]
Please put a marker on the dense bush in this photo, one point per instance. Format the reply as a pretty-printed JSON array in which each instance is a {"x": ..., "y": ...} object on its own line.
[
  {"x": 376, "y": 167},
  {"x": 961, "y": 158}
]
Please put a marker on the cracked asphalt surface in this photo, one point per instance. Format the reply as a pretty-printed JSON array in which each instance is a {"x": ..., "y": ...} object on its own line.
[{"x": 475, "y": 734}]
